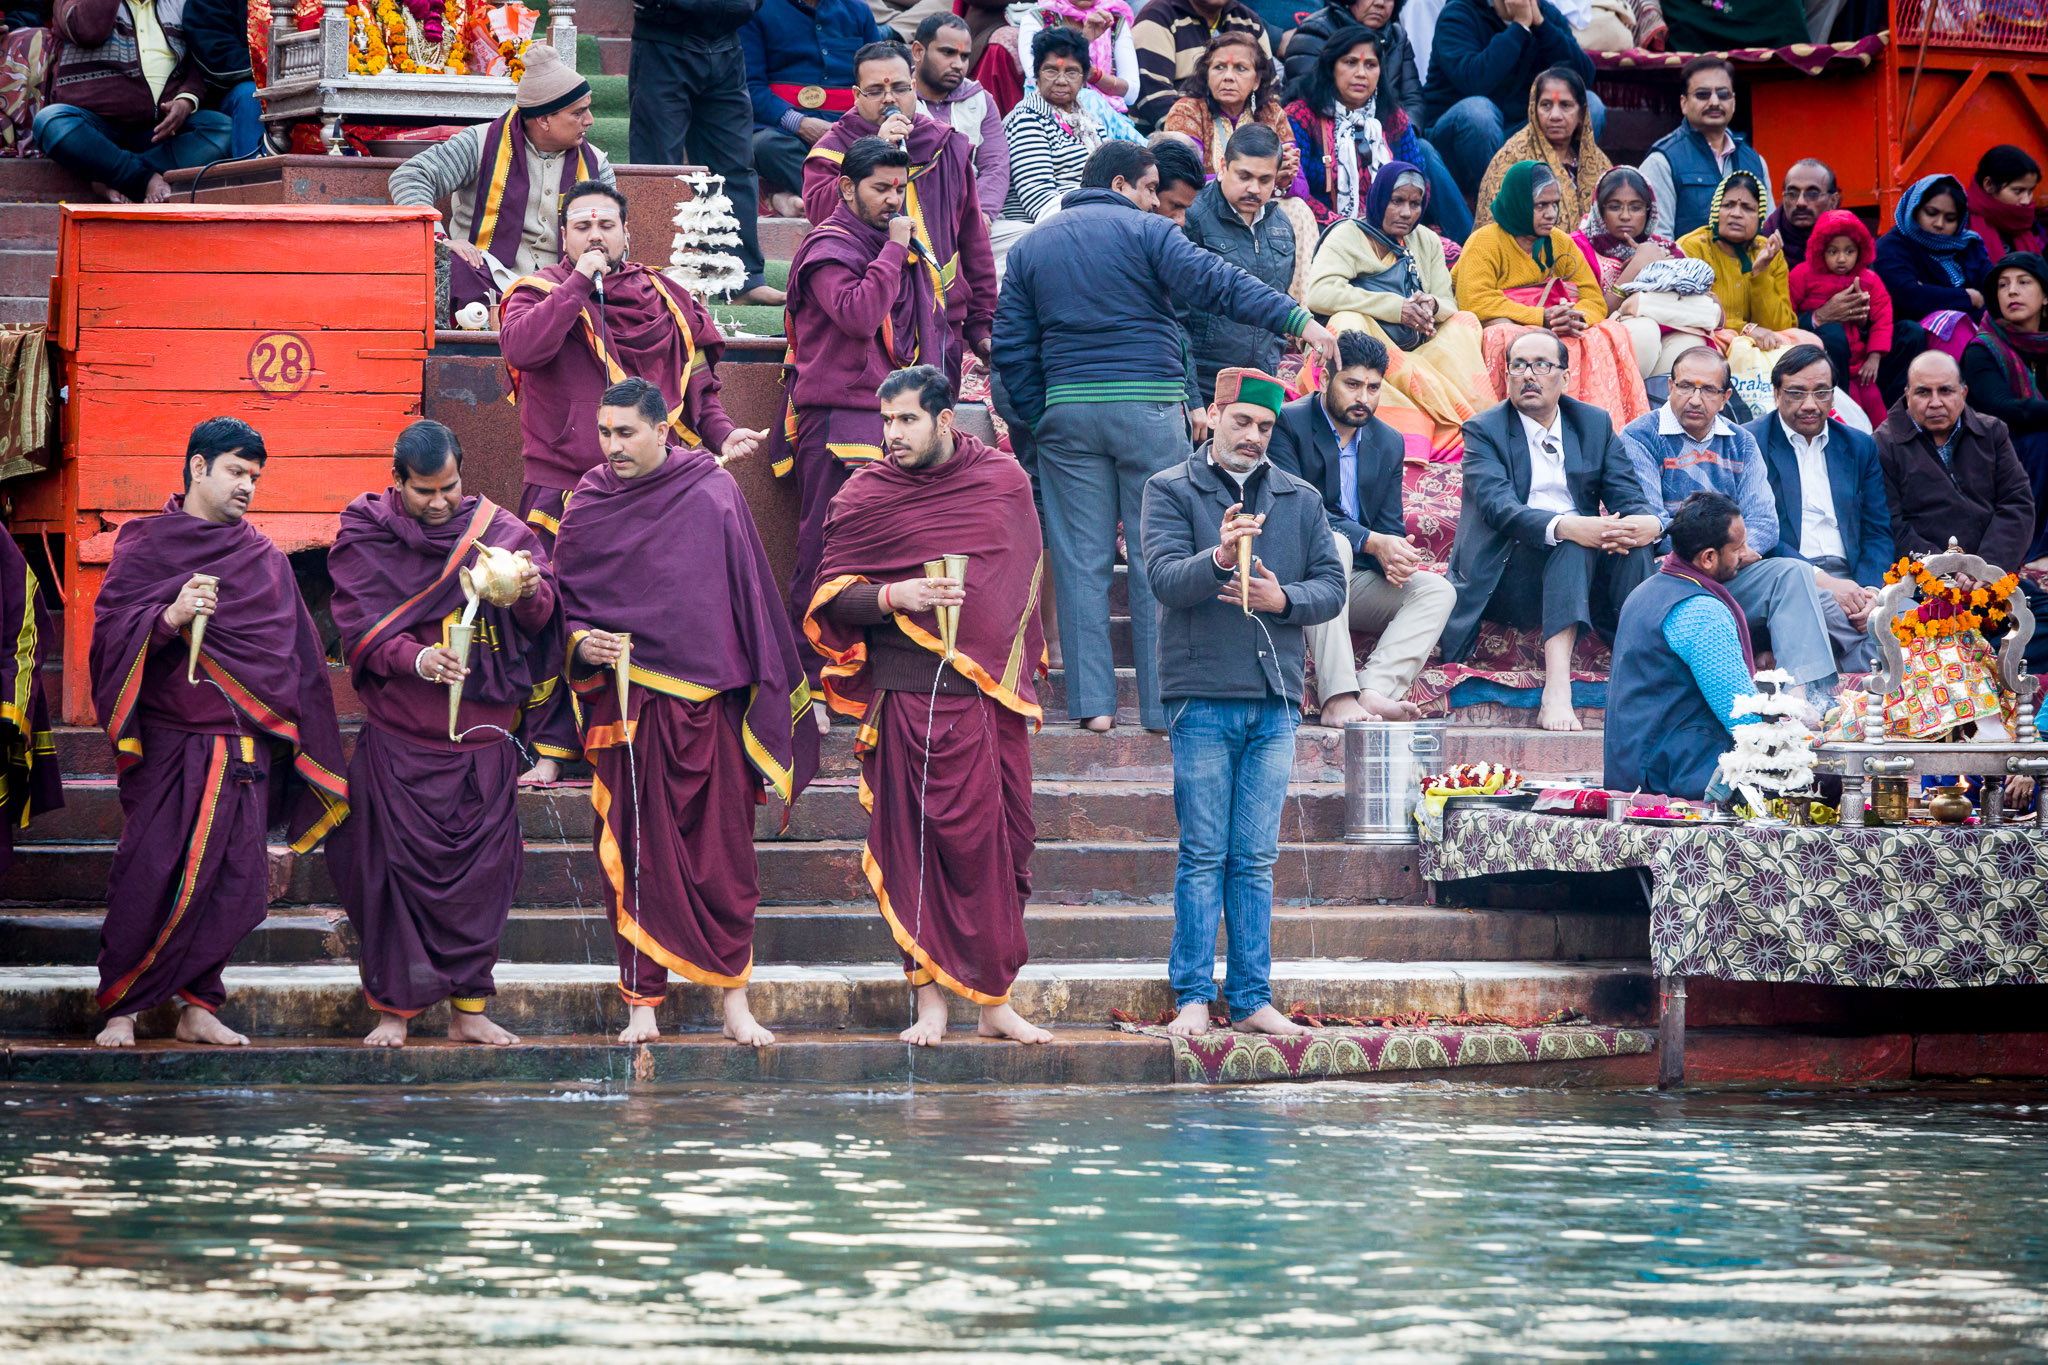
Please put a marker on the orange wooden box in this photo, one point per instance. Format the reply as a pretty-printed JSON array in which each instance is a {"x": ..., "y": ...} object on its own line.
[{"x": 310, "y": 322}]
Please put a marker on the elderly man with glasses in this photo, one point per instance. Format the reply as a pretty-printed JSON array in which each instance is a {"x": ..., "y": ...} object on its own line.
[
  {"x": 1829, "y": 491},
  {"x": 1685, "y": 165},
  {"x": 1686, "y": 446},
  {"x": 1553, "y": 524}
]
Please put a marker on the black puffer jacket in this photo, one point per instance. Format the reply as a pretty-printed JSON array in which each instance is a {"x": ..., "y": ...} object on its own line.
[
  {"x": 1400, "y": 82},
  {"x": 693, "y": 18}
]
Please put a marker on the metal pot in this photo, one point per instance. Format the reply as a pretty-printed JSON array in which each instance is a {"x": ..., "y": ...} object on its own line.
[
  {"x": 1384, "y": 764},
  {"x": 1950, "y": 805}
]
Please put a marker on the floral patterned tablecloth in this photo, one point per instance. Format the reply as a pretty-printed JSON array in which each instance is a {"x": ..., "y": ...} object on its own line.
[{"x": 1925, "y": 906}]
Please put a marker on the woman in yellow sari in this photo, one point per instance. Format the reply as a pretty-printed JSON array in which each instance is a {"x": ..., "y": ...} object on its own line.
[
  {"x": 1384, "y": 274},
  {"x": 1520, "y": 272}
]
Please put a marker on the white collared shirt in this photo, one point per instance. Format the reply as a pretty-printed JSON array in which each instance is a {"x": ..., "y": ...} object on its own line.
[
  {"x": 1669, "y": 425},
  {"x": 1548, "y": 490},
  {"x": 1820, "y": 535}
]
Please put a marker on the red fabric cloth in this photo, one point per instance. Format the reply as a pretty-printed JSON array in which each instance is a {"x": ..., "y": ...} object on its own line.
[
  {"x": 859, "y": 307},
  {"x": 2004, "y": 227},
  {"x": 1813, "y": 284},
  {"x": 396, "y": 590},
  {"x": 672, "y": 558},
  {"x": 949, "y": 786},
  {"x": 1001, "y": 74},
  {"x": 426, "y": 865},
  {"x": 675, "y": 837},
  {"x": 557, "y": 337}
]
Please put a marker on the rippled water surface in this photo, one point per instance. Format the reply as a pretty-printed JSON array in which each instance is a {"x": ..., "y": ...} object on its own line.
[{"x": 1281, "y": 1224}]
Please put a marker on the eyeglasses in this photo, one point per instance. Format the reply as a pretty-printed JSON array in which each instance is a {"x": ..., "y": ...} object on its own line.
[
  {"x": 1539, "y": 368},
  {"x": 1825, "y": 395},
  {"x": 1688, "y": 389},
  {"x": 1812, "y": 192},
  {"x": 878, "y": 92},
  {"x": 1723, "y": 94}
]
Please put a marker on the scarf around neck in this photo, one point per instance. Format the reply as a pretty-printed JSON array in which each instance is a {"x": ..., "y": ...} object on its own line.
[
  {"x": 1358, "y": 150},
  {"x": 1678, "y": 568},
  {"x": 2017, "y": 352},
  {"x": 1514, "y": 208},
  {"x": 1944, "y": 250},
  {"x": 1077, "y": 122}
]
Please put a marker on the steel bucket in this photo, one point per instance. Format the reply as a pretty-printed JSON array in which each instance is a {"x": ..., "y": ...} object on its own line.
[{"x": 1384, "y": 764}]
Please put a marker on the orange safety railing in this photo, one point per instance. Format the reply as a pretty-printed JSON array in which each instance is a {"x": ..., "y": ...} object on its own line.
[{"x": 2018, "y": 27}]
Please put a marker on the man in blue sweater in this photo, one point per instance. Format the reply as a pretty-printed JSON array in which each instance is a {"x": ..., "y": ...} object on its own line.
[
  {"x": 1685, "y": 447},
  {"x": 800, "y": 80},
  {"x": 1482, "y": 61},
  {"x": 1091, "y": 356},
  {"x": 1681, "y": 658}
]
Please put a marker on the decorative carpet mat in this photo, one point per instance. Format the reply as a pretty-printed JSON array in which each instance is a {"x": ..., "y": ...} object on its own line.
[{"x": 1223, "y": 1057}]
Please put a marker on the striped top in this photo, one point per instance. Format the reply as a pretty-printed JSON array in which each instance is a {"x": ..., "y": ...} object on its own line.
[
  {"x": 448, "y": 170},
  {"x": 1045, "y": 162}
]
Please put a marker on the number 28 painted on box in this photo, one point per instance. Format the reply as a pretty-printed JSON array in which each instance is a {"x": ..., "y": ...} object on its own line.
[{"x": 281, "y": 363}]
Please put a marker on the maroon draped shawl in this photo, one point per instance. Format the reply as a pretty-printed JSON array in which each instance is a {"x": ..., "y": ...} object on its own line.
[
  {"x": 499, "y": 221},
  {"x": 888, "y": 521},
  {"x": 29, "y": 780},
  {"x": 941, "y": 181},
  {"x": 394, "y": 575},
  {"x": 673, "y": 558},
  {"x": 261, "y": 651}
]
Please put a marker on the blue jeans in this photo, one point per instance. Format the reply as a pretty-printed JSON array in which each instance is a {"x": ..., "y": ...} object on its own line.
[
  {"x": 120, "y": 155},
  {"x": 1474, "y": 128},
  {"x": 245, "y": 112},
  {"x": 1231, "y": 762},
  {"x": 1446, "y": 201}
]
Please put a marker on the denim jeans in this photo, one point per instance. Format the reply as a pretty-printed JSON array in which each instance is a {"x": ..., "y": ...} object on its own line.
[
  {"x": 245, "y": 112},
  {"x": 1474, "y": 128},
  {"x": 120, "y": 155},
  {"x": 1231, "y": 762}
]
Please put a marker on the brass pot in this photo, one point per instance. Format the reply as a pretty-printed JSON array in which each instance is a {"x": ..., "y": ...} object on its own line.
[{"x": 1950, "y": 805}]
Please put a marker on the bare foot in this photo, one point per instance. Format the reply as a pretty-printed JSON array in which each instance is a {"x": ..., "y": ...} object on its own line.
[
  {"x": 822, "y": 714},
  {"x": 390, "y": 1031},
  {"x": 1343, "y": 710},
  {"x": 464, "y": 1027},
  {"x": 119, "y": 1032},
  {"x": 1101, "y": 725},
  {"x": 740, "y": 1024},
  {"x": 1192, "y": 1021},
  {"x": 640, "y": 1026},
  {"x": 110, "y": 194},
  {"x": 544, "y": 770},
  {"x": 1266, "y": 1019},
  {"x": 1000, "y": 1021},
  {"x": 1386, "y": 708},
  {"x": 1555, "y": 711},
  {"x": 786, "y": 205},
  {"x": 196, "y": 1025},
  {"x": 766, "y": 295},
  {"x": 159, "y": 192},
  {"x": 930, "y": 1028}
]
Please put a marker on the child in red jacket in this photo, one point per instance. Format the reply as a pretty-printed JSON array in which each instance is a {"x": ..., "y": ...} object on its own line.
[{"x": 1838, "y": 255}]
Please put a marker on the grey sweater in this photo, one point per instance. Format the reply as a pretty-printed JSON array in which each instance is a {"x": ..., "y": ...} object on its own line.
[{"x": 1212, "y": 649}]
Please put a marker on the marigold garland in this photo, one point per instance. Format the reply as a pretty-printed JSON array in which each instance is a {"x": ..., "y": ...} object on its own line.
[
  {"x": 1945, "y": 611},
  {"x": 380, "y": 38}
]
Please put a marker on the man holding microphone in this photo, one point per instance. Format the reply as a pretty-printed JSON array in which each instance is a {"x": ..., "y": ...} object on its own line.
[
  {"x": 569, "y": 332},
  {"x": 939, "y": 197}
]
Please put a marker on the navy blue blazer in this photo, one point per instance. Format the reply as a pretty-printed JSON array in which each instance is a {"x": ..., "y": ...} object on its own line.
[{"x": 1856, "y": 481}]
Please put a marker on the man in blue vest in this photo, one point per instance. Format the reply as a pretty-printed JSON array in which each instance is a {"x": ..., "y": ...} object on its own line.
[
  {"x": 1685, "y": 164},
  {"x": 1681, "y": 658},
  {"x": 1829, "y": 491}
]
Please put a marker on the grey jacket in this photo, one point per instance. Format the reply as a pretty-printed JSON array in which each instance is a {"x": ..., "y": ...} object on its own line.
[
  {"x": 1212, "y": 649},
  {"x": 1496, "y": 514},
  {"x": 1265, "y": 251}
]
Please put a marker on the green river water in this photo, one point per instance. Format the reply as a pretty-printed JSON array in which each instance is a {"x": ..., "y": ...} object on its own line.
[{"x": 1286, "y": 1224}]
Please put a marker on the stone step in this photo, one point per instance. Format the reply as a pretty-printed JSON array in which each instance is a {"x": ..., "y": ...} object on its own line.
[
  {"x": 614, "y": 55},
  {"x": 25, "y": 273},
  {"x": 829, "y": 933},
  {"x": 829, "y": 809},
  {"x": 327, "y": 1001},
  {"x": 1062, "y": 752},
  {"x": 29, "y": 227},
  {"x": 38, "y": 180},
  {"x": 25, "y": 309},
  {"x": 604, "y": 18},
  {"x": 827, "y": 872},
  {"x": 780, "y": 237}
]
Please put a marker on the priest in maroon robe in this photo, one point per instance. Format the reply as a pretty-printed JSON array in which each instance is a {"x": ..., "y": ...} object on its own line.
[
  {"x": 569, "y": 332},
  {"x": 658, "y": 558},
  {"x": 29, "y": 779},
  {"x": 944, "y": 747},
  {"x": 203, "y": 764},
  {"x": 939, "y": 199},
  {"x": 430, "y": 857},
  {"x": 861, "y": 304}
]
